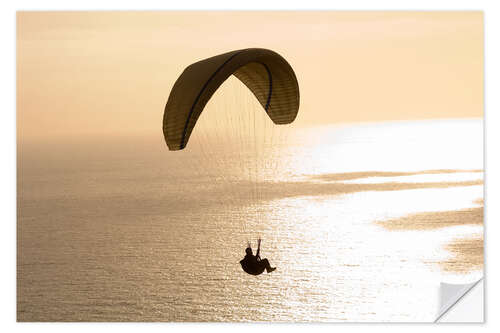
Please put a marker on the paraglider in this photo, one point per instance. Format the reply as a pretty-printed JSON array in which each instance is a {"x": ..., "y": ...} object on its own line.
[
  {"x": 264, "y": 72},
  {"x": 253, "y": 264}
]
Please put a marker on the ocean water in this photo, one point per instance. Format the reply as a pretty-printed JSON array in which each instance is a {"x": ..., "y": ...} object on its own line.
[{"x": 362, "y": 221}]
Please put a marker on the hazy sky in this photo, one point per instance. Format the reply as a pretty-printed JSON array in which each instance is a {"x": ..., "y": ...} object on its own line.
[{"x": 111, "y": 72}]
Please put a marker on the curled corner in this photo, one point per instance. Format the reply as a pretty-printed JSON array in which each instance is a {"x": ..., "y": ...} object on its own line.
[{"x": 461, "y": 302}]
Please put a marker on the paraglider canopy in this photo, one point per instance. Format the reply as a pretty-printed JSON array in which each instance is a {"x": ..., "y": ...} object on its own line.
[{"x": 267, "y": 74}]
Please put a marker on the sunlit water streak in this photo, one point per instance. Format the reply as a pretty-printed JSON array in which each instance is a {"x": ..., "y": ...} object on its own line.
[{"x": 120, "y": 230}]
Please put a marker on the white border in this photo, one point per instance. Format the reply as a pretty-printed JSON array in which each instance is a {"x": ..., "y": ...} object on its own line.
[{"x": 8, "y": 198}]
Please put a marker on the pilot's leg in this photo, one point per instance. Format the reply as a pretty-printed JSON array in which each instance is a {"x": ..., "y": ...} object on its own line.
[{"x": 266, "y": 264}]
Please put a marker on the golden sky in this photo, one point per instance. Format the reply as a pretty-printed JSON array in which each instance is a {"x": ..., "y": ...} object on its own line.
[{"x": 82, "y": 73}]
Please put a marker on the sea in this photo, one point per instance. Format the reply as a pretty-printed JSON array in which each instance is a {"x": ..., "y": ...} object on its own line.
[{"x": 363, "y": 222}]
